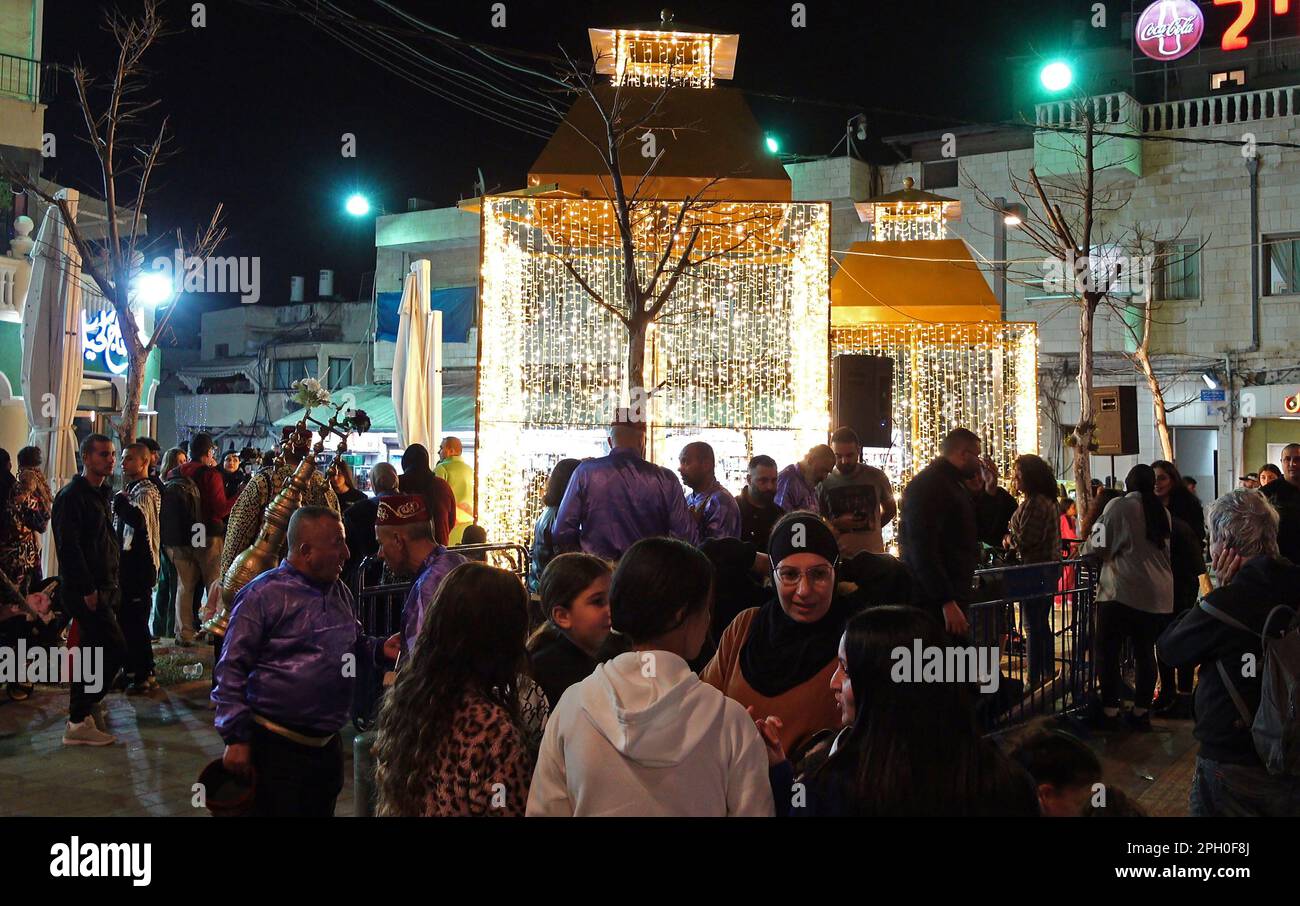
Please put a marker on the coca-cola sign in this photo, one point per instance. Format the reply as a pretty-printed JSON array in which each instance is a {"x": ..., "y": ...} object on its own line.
[{"x": 1169, "y": 29}]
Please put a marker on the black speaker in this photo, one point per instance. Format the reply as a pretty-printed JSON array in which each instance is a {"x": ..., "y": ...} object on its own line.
[
  {"x": 1115, "y": 413},
  {"x": 863, "y": 397}
]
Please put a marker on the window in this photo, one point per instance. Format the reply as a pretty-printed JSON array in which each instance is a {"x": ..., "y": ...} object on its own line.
[
  {"x": 1282, "y": 258},
  {"x": 223, "y": 350},
  {"x": 1177, "y": 271},
  {"x": 289, "y": 370},
  {"x": 1235, "y": 78},
  {"x": 940, "y": 174},
  {"x": 340, "y": 373}
]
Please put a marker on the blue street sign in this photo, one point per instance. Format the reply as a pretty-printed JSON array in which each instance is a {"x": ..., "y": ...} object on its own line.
[{"x": 1213, "y": 396}]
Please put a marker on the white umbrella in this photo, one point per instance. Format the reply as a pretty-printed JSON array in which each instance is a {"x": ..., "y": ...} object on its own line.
[
  {"x": 52, "y": 353},
  {"x": 417, "y": 363}
]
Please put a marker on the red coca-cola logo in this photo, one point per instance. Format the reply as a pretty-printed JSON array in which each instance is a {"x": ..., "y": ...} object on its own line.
[{"x": 1169, "y": 29}]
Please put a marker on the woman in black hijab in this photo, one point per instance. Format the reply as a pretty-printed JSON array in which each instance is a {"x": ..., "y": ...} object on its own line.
[{"x": 777, "y": 659}]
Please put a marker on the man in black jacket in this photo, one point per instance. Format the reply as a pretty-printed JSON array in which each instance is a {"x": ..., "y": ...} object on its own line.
[
  {"x": 939, "y": 536},
  {"x": 1230, "y": 779},
  {"x": 88, "y": 570},
  {"x": 1285, "y": 497}
]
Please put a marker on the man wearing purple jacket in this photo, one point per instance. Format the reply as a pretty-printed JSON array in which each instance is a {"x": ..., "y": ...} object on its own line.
[
  {"x": 616, "y": 500},
  {"x": 796, "y": 486},
  {"x": 283, "y": 686},
  {"x": 714, "y": 507}
]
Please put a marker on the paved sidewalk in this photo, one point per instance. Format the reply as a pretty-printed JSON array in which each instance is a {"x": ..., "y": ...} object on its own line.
[{"x": 164, "y": 740}]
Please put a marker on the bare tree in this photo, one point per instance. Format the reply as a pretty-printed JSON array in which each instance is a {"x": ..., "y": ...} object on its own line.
[
  {"x": 659, "y": 239},
  {"x": 1147, "y": 245},
  {"x": 127, "y": 152},
  {"x": 1066, "y": 218}
]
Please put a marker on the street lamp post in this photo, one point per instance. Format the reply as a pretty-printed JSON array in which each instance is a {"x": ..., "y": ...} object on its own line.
[{"x": 1005, "y": 215}]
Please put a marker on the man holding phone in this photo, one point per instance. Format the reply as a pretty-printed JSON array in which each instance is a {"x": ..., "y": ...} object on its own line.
[{"x": 856, "y": 498}]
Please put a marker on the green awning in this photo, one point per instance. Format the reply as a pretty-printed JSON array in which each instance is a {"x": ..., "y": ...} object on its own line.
[{"x": 376, "y": 400}]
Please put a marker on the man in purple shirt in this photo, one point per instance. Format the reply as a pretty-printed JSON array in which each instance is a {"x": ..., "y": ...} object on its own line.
[
  {"x": 408, "y": 546},
  {"x": 616, "y": 500},
  {"x": 715, "y": 509},
  {"x": 796, "y": 486},
  {"x": 283, "y": 687}
]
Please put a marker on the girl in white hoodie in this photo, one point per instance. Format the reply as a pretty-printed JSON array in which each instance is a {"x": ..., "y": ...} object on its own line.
[{"x": 643, "y": 736}]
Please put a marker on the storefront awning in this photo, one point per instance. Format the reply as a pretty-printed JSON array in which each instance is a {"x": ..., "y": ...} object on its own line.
[
  {"x": 924, "y": 281},
  {"x": 376, "y": 401},
  {"x": 193, "y": 375}
]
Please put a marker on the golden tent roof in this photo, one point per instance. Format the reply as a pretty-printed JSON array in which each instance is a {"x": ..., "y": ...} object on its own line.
[
  {"x": 703, "y": 135},
  {"x": 926, "y": 281}
]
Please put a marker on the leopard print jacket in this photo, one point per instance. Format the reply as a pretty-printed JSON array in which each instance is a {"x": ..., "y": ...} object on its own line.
[{"x": 483, "y": 767}]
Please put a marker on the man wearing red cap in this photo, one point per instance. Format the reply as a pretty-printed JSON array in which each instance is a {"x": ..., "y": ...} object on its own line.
[{"x": 408, "y": 546}]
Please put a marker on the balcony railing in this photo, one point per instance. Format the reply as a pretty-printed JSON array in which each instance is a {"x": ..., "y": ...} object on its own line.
[
  {"x": 20, "y": 78},
  {"x": 1217, "y": 110}
]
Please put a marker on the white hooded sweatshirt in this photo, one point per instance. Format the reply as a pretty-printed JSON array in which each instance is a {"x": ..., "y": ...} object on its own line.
[{"x": 642, "y": 736}]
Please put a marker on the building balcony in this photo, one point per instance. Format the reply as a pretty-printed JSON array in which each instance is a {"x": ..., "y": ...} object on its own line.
[
  {"x": 20, "y": 78},
  {"x": 15, "y": 273},
  {"x": 1059, "y": 141}
]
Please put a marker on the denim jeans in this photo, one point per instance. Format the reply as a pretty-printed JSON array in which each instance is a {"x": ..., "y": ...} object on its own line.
[
  {"x": 1240, "y": 791},
  {"x": 1035, "y": 588}
]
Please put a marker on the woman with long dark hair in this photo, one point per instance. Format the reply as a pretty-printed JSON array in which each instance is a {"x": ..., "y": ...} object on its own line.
[
  {"x": 910, "y": 748},
  {"x": 1135, "y": 596},
  {"x": 543, "y": 542},
  {"x": 345, "y": 486},
  {"x": 642, "y": 735},
  {"x": 1034, "y": 533},
  {"x": 1187, "y": 562},
  {"x": 451, "y": 736},
  {"x": 568, "y": 645}
]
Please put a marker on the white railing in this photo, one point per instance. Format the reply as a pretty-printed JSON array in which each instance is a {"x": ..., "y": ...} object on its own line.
[
  {"x": 1217, "y": 110},
  {"x": 14, "y": 276},
  {"x": 1105, "y": 108}
]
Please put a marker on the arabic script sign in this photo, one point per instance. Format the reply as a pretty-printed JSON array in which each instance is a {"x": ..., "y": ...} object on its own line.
[{"x": 102, "y": 343}]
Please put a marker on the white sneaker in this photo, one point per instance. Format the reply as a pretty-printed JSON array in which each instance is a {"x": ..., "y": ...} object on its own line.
[{"x": 86, "y": 734}]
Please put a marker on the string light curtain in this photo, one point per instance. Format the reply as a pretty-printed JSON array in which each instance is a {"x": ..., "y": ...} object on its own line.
[
  {"x": 739, "y": 353},
  {"x": 660, "y": 59},
  {"x": 979, "y": 375}
]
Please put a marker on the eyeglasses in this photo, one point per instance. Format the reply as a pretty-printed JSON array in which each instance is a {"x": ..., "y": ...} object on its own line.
[{"x": 816, "y": 575}]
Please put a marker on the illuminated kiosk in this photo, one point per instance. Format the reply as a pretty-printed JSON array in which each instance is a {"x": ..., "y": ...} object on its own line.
[
  {"x": 919, "y": 298},
  {"x": 738, "y": 357}
]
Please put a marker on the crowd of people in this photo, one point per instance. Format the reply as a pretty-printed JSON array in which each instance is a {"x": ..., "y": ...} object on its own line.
[{"x": 681, "y": 651}]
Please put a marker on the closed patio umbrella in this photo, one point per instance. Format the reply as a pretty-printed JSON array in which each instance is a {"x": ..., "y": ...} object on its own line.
[{"x": 417, "y": 363}]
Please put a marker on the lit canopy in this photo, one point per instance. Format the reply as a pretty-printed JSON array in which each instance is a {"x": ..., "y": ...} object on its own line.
[
  {"x": 663, "y": 54},
  {"x": 923, "y": 282}
]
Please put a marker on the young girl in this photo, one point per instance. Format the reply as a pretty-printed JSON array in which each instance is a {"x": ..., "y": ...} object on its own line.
[
  {"x": 451, "y": 738},
  {"x": 575, "y": 598},
  {"x": 642, "y": 735},
  {"x": 908, "y": 749}
]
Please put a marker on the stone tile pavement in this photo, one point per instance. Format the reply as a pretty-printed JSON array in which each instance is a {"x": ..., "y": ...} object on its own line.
[{"x": 164, "y": 740}]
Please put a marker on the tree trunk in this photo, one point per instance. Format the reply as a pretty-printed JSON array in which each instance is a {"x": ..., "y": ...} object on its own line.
[
  {"x": 139, "y": 358},
  {"x": 1084, "y": 429},
  {"x": 636, "y": 337}
]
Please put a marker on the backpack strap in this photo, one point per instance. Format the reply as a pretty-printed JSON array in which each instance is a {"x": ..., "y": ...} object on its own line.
[{"x": 1247, "y": 718}]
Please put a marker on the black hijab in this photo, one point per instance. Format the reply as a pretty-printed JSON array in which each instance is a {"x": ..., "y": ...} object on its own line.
[{"x": 781, "y": 653}]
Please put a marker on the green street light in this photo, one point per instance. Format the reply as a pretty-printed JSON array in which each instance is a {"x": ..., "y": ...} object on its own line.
[
  {"x": 358, "y": 205},
  {"x": 772, "y": 144},
  {"x": 1056, "y": 76}
]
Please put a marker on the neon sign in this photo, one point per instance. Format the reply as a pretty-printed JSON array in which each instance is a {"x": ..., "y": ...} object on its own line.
[
  {"x": 1169, "y": 29},
  {"x": 102, "y": 343},
  {"x": 1235, "y": 37}
]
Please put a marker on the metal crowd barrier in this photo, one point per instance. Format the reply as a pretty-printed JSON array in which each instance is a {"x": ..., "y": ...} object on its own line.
[
  {"x": 378, "y": 598},
  {"x": 1043, "y": 629}
]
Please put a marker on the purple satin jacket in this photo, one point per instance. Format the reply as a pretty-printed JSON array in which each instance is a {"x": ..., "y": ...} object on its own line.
[
  {"x": 793, "y": 492},
  {"x": 432, "y": 571},
  {"x": 721, "y": 512},
  {"x": 616, "y": 500},
  {"x": 284, "y": 656}
]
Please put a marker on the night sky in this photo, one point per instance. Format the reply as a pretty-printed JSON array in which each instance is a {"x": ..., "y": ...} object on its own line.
[{"x": 258, "y": 101}]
